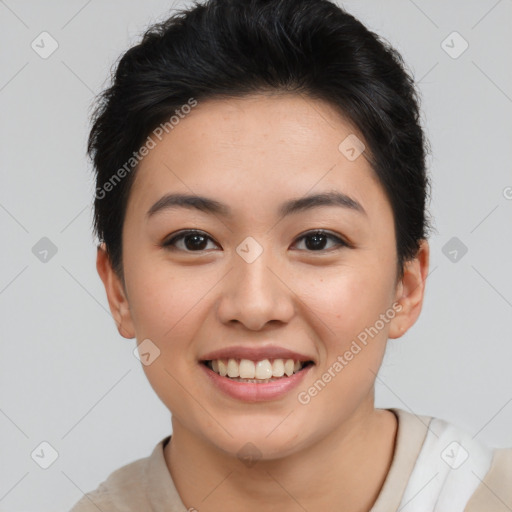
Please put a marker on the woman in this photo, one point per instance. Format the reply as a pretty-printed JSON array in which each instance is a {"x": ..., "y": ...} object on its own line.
[{"x": 261, "y": 206}]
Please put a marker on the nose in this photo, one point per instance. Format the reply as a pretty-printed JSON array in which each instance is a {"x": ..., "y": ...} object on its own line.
[{"x": 255, "y": 294}]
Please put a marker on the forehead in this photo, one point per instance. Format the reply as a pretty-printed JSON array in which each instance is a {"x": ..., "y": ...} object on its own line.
[
  {"x": 252, "y": 124},
  {"x": 256, "y": 147}
]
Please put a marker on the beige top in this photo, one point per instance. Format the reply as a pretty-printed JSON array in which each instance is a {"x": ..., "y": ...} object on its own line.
[{"x": 147, "y": 485}]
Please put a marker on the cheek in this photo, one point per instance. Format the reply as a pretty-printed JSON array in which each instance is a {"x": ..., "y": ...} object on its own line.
[
  {"x": 167, "y": 309},
  {"x": 164, "y": 302},
  {"x": 344, "y": 307},
  {"x": 346, "y": 300}
]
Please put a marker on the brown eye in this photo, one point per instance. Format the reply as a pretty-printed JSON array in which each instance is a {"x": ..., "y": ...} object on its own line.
[
  {"x": 188, "y": 241},
  {"x": 316, "y": 241}
]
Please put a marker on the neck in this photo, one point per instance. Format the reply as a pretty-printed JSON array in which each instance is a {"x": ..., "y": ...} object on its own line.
[{"x": 349, "y": 467}]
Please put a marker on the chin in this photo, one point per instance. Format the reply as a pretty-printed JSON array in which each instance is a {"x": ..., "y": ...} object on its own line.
[{"x": 249, "y": 441}]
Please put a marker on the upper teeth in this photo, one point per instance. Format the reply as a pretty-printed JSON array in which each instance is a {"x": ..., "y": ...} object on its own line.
[{"x": 247, "y": 369}]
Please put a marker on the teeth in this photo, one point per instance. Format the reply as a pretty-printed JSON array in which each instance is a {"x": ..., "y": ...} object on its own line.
[
  {"x": 247, "y": 369},
  {"x": 223, "y": 370},
  {"x": 278, "y": 368},
  {"x": 288, "y": 367},
  {"x": 233, "y": 368},
  {"x": 258, "y": 371},
  {"x": 263, "y": 369}
]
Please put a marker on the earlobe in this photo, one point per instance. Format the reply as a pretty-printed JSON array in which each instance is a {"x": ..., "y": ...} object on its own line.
[
  {"x": 118, "y": 303},
  {"x": 410, "y": 292}
]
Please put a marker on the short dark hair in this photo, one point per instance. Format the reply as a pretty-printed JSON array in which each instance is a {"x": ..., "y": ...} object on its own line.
[{"x": 235, "y": 48}]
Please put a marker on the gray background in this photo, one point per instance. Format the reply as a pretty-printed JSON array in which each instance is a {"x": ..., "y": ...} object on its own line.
[{"x": 69, "y": 379}]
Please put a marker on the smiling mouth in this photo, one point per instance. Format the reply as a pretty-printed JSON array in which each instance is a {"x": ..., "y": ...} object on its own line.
[{"x": 256, "y": 372}]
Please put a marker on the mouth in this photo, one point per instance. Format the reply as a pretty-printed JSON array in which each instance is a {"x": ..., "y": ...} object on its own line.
[
  {"x": 256, "y": 373},
  {"x": 260, "y": 372}
]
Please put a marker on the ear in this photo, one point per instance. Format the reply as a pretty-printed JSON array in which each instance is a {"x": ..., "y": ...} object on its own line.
[
  {"x": 116, "y": 294},
  {"x": 410, "y": 292}
]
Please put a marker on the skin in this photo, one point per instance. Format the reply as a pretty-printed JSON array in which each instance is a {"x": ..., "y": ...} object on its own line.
[{"x": 253, "y": 154}]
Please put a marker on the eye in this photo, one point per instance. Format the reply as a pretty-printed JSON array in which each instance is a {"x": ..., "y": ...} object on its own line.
[
  {"x": 317, "y": 240},
  {"x": 193, "y": 241},
  {"x": 196, "y": 241}
]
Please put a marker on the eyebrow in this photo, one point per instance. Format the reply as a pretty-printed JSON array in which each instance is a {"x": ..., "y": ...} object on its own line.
[{"x": 211, "y": 206}]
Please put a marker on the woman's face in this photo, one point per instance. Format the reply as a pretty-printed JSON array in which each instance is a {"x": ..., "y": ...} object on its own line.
[{"x": 256, "y": 277}]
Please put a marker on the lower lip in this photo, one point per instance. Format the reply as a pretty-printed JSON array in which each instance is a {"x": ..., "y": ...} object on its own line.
[{"x": 251, "y": 392}]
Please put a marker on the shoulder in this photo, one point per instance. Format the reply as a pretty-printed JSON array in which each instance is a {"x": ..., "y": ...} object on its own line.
[
  {"x": 123, "y": 482},
  {"x": 94, "y": 500},
  {"x": 495, "y": 491},
  {"x": 125, "y": 486},
  {"x": 456, "y": 472}
]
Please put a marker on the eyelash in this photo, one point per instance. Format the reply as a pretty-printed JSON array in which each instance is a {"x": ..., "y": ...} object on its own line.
[{"x": 169, "y": 244}]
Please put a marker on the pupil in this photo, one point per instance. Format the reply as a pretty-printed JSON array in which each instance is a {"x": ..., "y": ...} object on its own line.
[
  {"x": 316, "y": 237},
  {"x": 195, "y": 245}
]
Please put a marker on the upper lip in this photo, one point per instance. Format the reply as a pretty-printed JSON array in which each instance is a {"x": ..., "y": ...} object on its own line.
[{"x": 255, "y": 353}]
